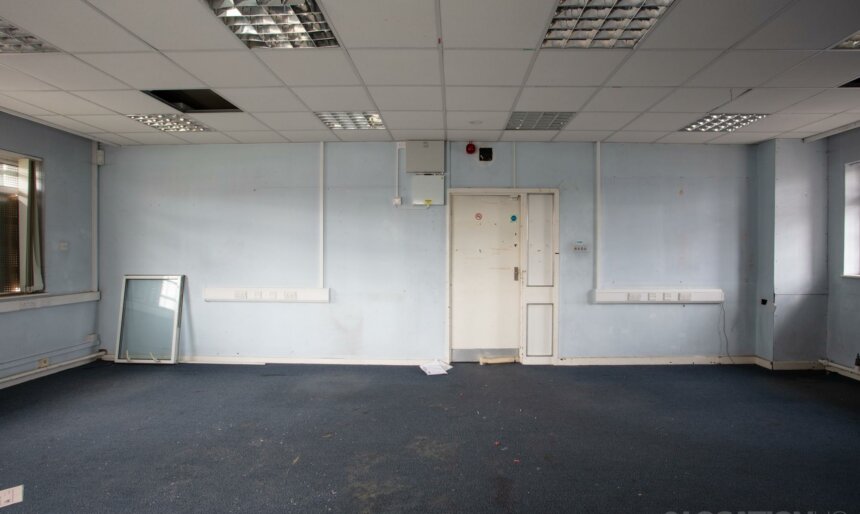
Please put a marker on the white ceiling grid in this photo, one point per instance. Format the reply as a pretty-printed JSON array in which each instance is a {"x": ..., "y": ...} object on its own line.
[{"x": 437, "y": 69}]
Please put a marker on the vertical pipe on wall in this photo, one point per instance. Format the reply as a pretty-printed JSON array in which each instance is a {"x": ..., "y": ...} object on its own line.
[
  {"x": 514, "y": 165},
  {"x": 321, "y": 279},
  {"x": 597, "y": 208},
  {"x": 94, "y": 213},
  {"x": 396, "y": 171}
]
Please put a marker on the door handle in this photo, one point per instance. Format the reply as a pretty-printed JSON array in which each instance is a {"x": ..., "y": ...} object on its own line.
[{"x": 516, "y": 272}]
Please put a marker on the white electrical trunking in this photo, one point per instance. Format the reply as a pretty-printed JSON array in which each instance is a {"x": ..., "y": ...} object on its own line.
[
  {"x": 658, "y": 296},
  {"x": 266, "y": 294}
]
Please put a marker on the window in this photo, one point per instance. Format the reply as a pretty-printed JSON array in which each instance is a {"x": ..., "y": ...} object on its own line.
[{"x": 20, "y": 224}]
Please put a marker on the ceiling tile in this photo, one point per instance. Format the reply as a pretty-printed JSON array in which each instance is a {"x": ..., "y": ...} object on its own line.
[
  {"x": 688, "y": 137},
  {"x": 290, "y": 120},
  {"x": 257, "y": 136},
  {"x": 782, "y": 122},
  {"x": 743, "y": 138},
  {"x": 553, "y": 98},
  {"x": 830, "y": 101},
  {"x": 171, "y": 24},
  {"x": 319, "y": 67},
  {"x": 404, "y": 98},
  {"x": 478, "y": 98},
  {"x": 566, "y": 67},
  {"x": 362, "y": 135},
  {"x": 474, "y": 135},
  {"x": 12, "y": 104},
  {"x": 653, "y": 121},
  {"x": 835, "y": 121},
  {"x": 61, "y": 70},
  {"x": 148, "y": 70},
  {"x": 413, "y": 119},
  {"x": 486, "y": 67},
  {"x": 688, "y": 99},
  {"x": 66, "y": 123},
  {"x": 709, "y": 24},
  {"x": 70, "y": 25},
  {"x": 635, "y": 137},
  {"x": 828, "y": 69},
  {"x": 495, "y": 23},
  {"x": 113, "y": 139},
  {"x": 127, "y": 102},
  {"x": 58, "y": 102},
  {"x": 808, "y": 25},
  {"x": 626, "y": 99},
  {"x": 418, "y": 135},
  {"x": 767, "y": 100},
  {"x": 795, "y": 135},
  {"x": 477, "y": 120},
  {"x": 747, "y": 68},
  {"x": 349, "y": 98},
  {"x": 152, "y": 138},
  {"x": 309, "y": 136},
  {"x": 383, "y": 23},
  {"x": 262, "y": 99},
  {"x": 13, "y": 80},
  {"x": 529, "y": 135},
  {"x": 205, "y": 138},
  {"x": 600, "y": 121},
  {"x": 224, "y": 121},
  {"x": 390, "y": 67},
  {"x": 661, "y": 67},
  {"x": 111, "y": 123},
  {"x": 583, "y": 135},
  {"x": 226, "y": 69}
]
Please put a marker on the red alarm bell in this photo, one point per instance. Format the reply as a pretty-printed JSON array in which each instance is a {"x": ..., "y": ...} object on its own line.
[{"x": 470, "y": 148}]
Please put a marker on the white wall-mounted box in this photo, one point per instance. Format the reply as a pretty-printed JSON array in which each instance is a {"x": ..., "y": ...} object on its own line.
[
  {"x": 657, "y": 295},
  {"x": 425, "y": 157},
  {"x": 428, "y": 190}
]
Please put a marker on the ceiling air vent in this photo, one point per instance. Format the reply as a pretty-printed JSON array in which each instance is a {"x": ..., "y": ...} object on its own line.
[
  {"x": 525, "y": 120},
  {"x": 193, "y": 101}
]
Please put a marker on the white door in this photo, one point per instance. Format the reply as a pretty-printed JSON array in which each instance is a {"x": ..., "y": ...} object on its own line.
[{"x": 485, "y": 276}]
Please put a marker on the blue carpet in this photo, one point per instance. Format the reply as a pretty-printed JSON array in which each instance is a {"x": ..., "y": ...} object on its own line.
[{"x": 288, "y": 438}]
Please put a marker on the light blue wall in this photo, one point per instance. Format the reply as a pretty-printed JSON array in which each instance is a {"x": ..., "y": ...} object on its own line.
[
  {"x": 55, "y": 332},
  {"x": 674, "y": 215},
  {"x": 843, "y": 322}
]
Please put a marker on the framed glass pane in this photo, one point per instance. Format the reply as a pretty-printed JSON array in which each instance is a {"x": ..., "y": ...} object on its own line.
[{"x": 150, "y": 319}]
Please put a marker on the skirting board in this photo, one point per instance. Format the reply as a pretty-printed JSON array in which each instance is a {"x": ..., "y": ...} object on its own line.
[
  {"x": 656, "y": 361},
  {"x": 788, "y": 365},
  {"x": 260, "y": 361}
]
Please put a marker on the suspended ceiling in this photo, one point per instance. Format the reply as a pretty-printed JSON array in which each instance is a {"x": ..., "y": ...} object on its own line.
[{"x": 443, "y": 69}]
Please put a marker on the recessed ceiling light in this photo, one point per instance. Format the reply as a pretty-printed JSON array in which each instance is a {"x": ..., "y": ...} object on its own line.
[
  {"x": 602, "y": 23},
  {"x": 351, "y": 120},
  {"x": 15, "y": 40},
  {"x": 276, "y": 23},
  {"x": 524, "y": 120},
  {"x": 170, "y": 122},
  {"x": 852, "y": 42},
  {"x": 717, "y": 122}
]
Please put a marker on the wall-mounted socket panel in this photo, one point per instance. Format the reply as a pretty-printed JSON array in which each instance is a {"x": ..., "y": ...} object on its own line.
[
  {"x": 658, "y": 296},
  {"x": 267, "y": 294}
]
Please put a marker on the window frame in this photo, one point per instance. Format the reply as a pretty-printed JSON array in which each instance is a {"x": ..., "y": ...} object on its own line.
[{"x": 23, "y": 220}]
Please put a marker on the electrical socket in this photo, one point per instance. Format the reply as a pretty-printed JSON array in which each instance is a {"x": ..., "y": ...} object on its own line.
[
  {"x": 397, "y": 201},
  {"x": 43, "y": 363}
]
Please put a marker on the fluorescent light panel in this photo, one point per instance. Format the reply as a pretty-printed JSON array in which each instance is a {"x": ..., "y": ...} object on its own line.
[
  {"x": 351, "y": 120},
  {"x": 170, "y": 122},
  {"x": 526, "y": 120},
  {"x": 718, "y": 122},
  {"x": 276, "y": 23},
  {"x": 602, "y": 23},
  {"x": 15, "y": 40},
  {"x": 852, "y": 42}
]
